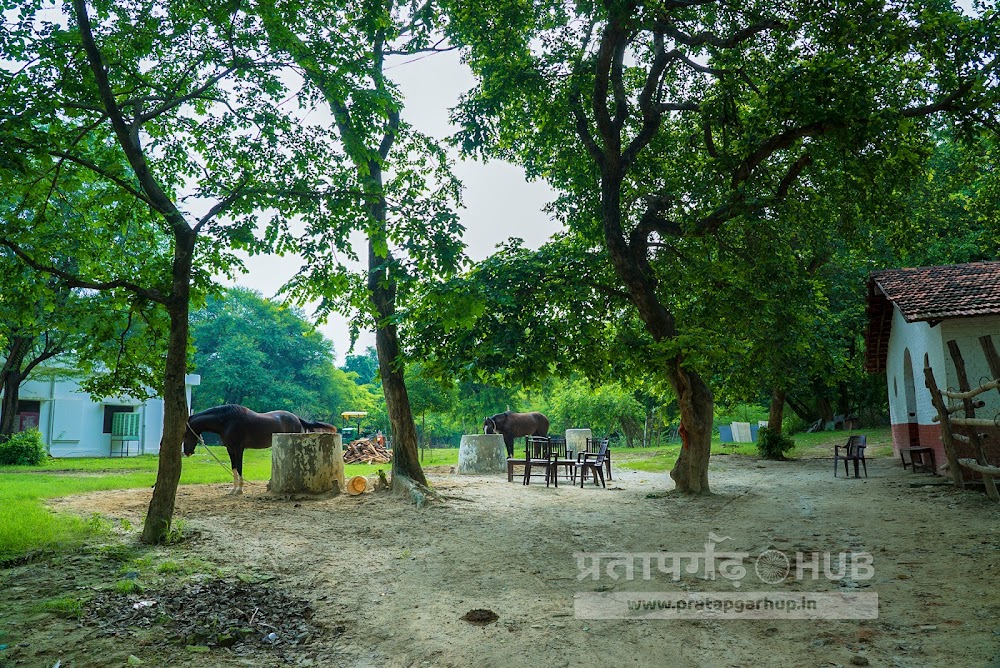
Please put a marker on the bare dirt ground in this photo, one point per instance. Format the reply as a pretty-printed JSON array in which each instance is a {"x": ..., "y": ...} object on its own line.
[{"x": 388, "y": 584}]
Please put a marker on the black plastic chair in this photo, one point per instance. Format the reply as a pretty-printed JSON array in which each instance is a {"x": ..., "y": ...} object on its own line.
[
  {"x": 594, "y": 462},
  {"x": 563, "y": 459},
  {"x": 594, "y": 446},
  {"x": 854, "y": 451},
  {"x": 538, "y": 453}
]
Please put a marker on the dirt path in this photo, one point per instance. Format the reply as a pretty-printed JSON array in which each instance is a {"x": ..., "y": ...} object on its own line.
[{"x": 394, "y": 581}]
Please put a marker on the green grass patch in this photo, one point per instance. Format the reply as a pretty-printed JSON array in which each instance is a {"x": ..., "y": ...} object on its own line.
[
  {"x": 439, "y": 457},
  {"x": 817, "y": 445},
  {"x": 128, "y": 586},
  {"x": 64, "y": 606},
  {"x": 189, "y": 566},
  {"x": 27, "y": 526}
]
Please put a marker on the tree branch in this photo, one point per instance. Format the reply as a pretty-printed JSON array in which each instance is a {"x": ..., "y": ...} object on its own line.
[
  {"x": 127, "y": 136},
  {"x": 712, "y": 39},
  {"x": 196, "y": 93},
  {"x": 73, "y": 281},
  {"x": 651, "y": 113},
  {"x": 618, "y": 87},
  {"x": 121, "y": 183},
  {"x": 777, "y": 142},
  {"x": 583, "y": 130},
  {"x": 792, "y": 175},
  {"x": 606, "y": 55},
  {"x": 679, "y": 106}
]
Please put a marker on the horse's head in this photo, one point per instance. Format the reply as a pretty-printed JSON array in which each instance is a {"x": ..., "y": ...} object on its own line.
[
  {"x": 190, "y": 440},
  {"x": 489, "y": 426}
]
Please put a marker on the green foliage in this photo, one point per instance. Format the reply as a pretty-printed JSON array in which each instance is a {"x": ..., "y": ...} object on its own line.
[
  {"x": 575, "y": 404},
  {"x": 364, "y": 365},
  {"x": 24, "y": 448},
  {"x": 739, "y": 412},
  {"x": 719, "y": 155},
  {"x": 521, "y": 316},
  {"x": 772, "y": 444},
  {"x": 176, "y": 533},
  {"x": 267, "y": 356}
]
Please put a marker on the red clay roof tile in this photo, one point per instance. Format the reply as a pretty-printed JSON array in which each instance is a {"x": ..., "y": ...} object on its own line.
[{"x": 948, "y": 291}]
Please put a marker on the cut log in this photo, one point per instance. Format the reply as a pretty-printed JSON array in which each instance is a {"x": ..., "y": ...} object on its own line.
[
  {"x": 306, "y": 463},
  {"x": 357, "y": 485},
  {"x": 974, "y": 422},
  {"x": 367, "y": 452},
  {"x": 985, "y": 469},
  {"x": 955, "y": 409}
]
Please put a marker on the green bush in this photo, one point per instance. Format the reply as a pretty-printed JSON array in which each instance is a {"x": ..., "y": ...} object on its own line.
[
  {"x": 772, "y": 445},
  {"x": 794, "y": 424},
  {"x": 24, "y": 448}
]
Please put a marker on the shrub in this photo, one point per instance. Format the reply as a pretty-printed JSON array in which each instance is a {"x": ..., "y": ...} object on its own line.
[
  {"x": 24, "y": 448},
  {"x": 795, "y": 425},
  {"x": 773, "y": 445}
]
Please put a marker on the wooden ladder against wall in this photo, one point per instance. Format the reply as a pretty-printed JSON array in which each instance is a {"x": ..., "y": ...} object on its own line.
[{"x": 966, "y": 395}]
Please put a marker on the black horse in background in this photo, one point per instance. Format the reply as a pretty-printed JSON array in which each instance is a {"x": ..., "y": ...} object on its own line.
[
  {"x": 514, "y": 425},
  {"x": 241, "y": 428}
]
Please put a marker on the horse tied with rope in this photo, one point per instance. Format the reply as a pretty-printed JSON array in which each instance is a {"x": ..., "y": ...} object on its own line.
[{"x": 240, "y": 428}]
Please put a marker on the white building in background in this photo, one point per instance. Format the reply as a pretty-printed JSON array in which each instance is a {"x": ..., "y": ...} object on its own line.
[
  {"x": 74, "y": 424},
  {"x": 913, "y": 314}
]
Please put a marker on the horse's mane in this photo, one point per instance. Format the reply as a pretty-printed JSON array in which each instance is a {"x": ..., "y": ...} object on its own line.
[
  {"x": 226, "y": 410},
  {"x": 317, "y": 426}
]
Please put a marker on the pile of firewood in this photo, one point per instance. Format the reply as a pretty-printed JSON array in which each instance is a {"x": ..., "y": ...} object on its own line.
[{"x": 366, "y": 451}]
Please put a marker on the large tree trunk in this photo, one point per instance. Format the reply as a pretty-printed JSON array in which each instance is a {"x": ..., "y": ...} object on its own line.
[
  {"x": 694, "y": 397},
  {"x": 175, "y": 409},
  {"x": 382, "y": 291},
  {"x": 776, "y": 414},
  {"x": 825, "y": 410},
  {"x": 10, "y": 383},
  {"x": 8, "y": 405},
  {"x": 405, "y": 455},
  {"x": 690, "y": 472}
]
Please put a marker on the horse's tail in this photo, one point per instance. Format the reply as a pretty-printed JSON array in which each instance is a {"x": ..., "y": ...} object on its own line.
[{"x": 324, "y": 427}]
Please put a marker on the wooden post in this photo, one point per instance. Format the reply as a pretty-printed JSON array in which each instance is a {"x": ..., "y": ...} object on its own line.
[
  {"x": 949, "y": 444},
  {"x": 970, "y": 413},
  {"x": 990, "y": 351}
]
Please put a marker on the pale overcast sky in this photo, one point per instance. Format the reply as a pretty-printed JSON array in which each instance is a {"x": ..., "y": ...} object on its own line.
[{"x": 499, "y": 202}]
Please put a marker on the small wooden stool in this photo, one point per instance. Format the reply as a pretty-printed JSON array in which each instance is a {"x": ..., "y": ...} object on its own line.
[{"x": 921, "y": 456}]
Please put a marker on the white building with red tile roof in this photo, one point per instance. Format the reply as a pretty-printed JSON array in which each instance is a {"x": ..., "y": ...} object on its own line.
[{"x": 912, "y": 315}]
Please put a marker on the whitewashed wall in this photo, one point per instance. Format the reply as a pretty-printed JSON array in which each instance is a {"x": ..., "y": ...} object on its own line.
[
  {"x": 919, "y": 339},
  {"x": 966, "y": 331},
  {"x": 72, "y": 423}
]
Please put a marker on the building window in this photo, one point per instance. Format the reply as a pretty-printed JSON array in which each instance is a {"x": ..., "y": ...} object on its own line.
[
  {"x": 109, "y": 412},
  {"x": 27, "y": 414}
]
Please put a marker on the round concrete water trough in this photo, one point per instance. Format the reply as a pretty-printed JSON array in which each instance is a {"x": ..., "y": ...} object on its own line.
[
  {"x": 576, "y": 439},
  {"x": 307, "y": 463},
  {"x": 481, "y": 454}
]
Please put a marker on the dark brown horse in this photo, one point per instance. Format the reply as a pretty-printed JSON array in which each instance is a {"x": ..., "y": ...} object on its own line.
[
  {"x": 241, "y": 428},
  {"x": 514, "y": 425}
]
